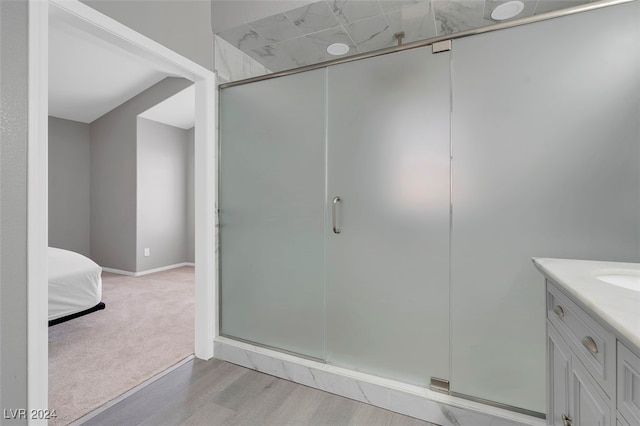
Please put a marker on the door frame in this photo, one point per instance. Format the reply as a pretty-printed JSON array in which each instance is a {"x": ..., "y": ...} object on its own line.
[{"x": 89, "y": 20}]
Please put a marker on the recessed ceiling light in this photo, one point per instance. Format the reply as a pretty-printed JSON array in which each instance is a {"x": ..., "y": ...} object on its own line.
[
  {"x": 337, "y": 49},
  {"x": 507, "y": 10}
]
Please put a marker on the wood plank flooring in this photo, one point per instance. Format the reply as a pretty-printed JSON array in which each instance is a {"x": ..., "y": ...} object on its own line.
[{"x": 216, "y": 392}]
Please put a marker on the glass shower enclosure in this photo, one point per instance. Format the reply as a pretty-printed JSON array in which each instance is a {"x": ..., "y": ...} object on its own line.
[
  {"x": 335, "y": 214},
  {"x": 381, "y": 214}
]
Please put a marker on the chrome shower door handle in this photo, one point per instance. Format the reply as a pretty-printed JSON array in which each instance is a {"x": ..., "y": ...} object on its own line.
[{"x": 334, "y": 214}]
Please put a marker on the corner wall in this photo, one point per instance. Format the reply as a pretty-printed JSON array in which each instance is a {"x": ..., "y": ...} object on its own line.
[
  {"x": 69, "y": 185},
  {"x": 114, "y": 177},
  {"x": 162, "y": 195}
]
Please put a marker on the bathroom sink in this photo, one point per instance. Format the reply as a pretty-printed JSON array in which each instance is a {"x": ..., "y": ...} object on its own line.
[{"x": 628, "y": 281}]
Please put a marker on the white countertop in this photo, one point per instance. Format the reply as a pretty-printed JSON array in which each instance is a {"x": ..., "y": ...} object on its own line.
[{"x": 617, "y": 306}]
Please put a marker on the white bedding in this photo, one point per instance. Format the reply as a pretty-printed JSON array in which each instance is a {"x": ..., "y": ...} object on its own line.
[{"x": 75, "y": 283}]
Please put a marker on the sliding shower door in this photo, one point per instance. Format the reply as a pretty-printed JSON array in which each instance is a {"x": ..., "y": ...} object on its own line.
[
  {"x": 335, "y": 214},
  {"x": 389, "y": 205},
  {"x": 272, "y": 218}
]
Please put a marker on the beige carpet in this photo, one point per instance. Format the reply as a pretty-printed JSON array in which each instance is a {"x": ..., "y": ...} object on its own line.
[{"x": 146, "y": 328}]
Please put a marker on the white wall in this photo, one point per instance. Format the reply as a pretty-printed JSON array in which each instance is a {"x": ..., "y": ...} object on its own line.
[
  {"x": 183, "y": 26},
  {"x": 69, "y": 185},
  {"x": 13, "y": 205},
  {"x": 113, "y": 177},
  {"x": 162, "y": 194}
]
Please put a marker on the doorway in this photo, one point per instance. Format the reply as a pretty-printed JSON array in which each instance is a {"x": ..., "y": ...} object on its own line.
[{"x": 87, "y": 20}]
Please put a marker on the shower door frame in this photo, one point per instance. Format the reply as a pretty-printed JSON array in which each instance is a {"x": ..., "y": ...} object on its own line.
[{"x": 439, "y": 380}]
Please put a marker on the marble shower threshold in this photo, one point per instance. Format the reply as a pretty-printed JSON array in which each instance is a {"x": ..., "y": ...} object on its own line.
[{"x": 392, "y": 395}]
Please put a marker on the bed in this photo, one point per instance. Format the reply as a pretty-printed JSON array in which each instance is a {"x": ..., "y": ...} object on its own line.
[{"x": 75, "y": 285}]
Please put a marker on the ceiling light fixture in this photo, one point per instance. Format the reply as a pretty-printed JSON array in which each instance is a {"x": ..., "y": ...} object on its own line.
[
  {"x": 507, "y": 10},
  {"x": 337, "y": 49}
]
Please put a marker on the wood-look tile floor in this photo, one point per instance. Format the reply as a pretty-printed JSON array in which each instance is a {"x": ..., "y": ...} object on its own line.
[{"x": 216, "y": 392}]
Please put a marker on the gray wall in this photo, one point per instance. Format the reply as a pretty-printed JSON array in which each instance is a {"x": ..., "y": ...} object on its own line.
[
  {"x": 162, "y": 194},
  {"x": 191, "y": 228},
  {"x": 545, "y": 163},
  {"x": 113, "y": 177},
  {"x": 13, "y": 205},
  {"x": 183, "y": 26},
  {"x": 69, "y": 185}
]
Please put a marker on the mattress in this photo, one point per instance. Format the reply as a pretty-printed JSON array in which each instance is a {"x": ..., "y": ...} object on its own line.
[{"x": 75, "y": 283}]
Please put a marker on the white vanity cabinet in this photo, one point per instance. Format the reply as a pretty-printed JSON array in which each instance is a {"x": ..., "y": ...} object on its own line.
[
  {"x": 593, "y": 350},
  {"x": 577, "y": 393}
]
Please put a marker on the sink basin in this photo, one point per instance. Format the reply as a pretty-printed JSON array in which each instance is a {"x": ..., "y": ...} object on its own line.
[{"x": 628, "y": 281}]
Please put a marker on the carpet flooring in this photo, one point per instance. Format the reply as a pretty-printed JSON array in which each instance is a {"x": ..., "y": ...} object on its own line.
[{"x": 147, "y": 326}]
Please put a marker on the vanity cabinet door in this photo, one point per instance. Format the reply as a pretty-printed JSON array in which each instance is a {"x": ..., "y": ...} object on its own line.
[
  {"x": 589, "y": 405},
  {"x": 622, "y": 422},
  {"x": 574, "y": 398},
  {"x": 594, "y": 346},
  {"x": 559, "y": 359},
  {"x": 628, "y": 384}
]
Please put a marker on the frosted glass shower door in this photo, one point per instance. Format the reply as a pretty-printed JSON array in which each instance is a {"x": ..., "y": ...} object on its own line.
[
  {"x": 388, "y": 204},
  {"x": 271, "y": 195}
]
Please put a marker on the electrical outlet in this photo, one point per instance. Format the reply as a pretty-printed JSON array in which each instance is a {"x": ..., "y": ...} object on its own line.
[{"x": 147, "y": 252}]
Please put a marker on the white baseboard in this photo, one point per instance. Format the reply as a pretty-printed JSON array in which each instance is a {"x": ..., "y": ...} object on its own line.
[
  {"x": 119, "y": 272},
  {"x": 149, "y": 271},
  {"x": 410, "y": 400}
]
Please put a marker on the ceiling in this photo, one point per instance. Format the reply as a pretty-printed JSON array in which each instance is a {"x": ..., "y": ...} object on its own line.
[
  {"x": 89, "y": 77},
  {"x": 300, "y": 36}
]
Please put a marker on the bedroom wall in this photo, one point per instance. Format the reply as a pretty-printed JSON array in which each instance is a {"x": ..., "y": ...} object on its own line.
[
  {"x": 162, "y": 195},
  {"x": 13, "y": 205},
  {"x": 113, "y": 177},
  {"x": 69, "y": 185},
  {"x": 191, "y": 215}
]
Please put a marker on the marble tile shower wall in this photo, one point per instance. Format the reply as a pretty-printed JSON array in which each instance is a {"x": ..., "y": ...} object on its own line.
[
  {"x": 301, "y": 36},
  {"x": 233, "y": 64}
]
